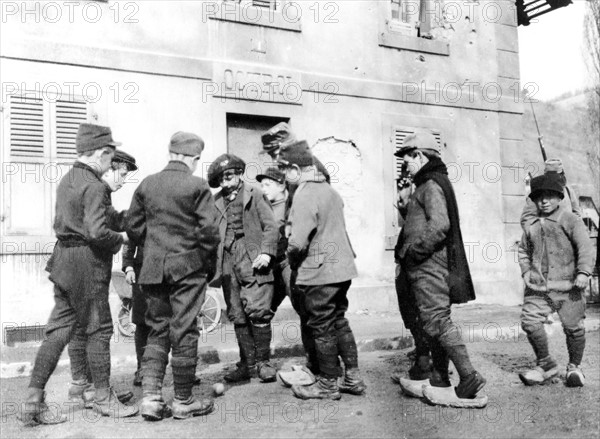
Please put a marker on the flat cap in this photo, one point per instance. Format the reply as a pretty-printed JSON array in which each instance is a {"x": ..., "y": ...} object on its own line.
[
  {"x": 418, "y": 140},
  {"x": 122, "y": 157},
  {"x": 273, "y": 174},
  {"x": 91, "y": 137},
  {"x": 276, "y": 136},
  {"x": 186, "y": 144},
  {"x": 296, "y": 153}
]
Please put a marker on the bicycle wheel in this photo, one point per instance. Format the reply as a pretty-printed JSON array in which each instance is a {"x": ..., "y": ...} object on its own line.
[
  {"x": 126, "y": 327},
  {"x": 210, "y": 314}
]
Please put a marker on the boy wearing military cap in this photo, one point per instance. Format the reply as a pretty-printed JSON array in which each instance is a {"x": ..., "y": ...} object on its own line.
[
  {"x": 172, "y": 215},
  {"x": 82, "y": 387},
  {"x": 555, "y": 256},
  {"x": 433, "y": 262},
  {"x": 249, "y": 236},
  {"x": 274, "y": 187},
  {"x": 320, "y": 254},
  {"x": 80, "y": 268},
  {"x": 281, "y": 134},
  {"x": 569, "y": 201}
]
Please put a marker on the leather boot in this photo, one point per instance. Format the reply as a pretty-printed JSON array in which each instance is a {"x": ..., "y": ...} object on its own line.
[
  {"x": 262, "y": 343},
  {"x": 35, "y": 411},
  {"x": 323, "y": 388},
  {"x": 440, "y": 362},
  {"x": 106, "y": 403},
  {"x": 153, "y": 408},
  {"x": 183, "y": 409},
  {"x": 246, "y": 368},
  {"x": 353, "y": 383},
  {"x": 421, "y": 369},
  {"x": 83, "y": 392}
]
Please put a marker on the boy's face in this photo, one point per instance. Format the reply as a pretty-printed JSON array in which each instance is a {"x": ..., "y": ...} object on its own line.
[
  {"x": 547, "y": 202},
  {"x": 271, "y": 188},
  {"x": 414, "y": 162},
  {"x": 115, "y": 176},
  {"x": 292, "y": 173},
  {"x": 230, "y": 179},
  {"x": 103, "y": 157}
]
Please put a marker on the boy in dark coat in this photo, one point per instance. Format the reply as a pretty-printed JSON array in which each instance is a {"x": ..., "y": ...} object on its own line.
[
  {"x": 80, "y": 268},
  {"x": 555, "y": 256},
  {"x": 172, "y": 215},
  {"x": 431, "y": 255},
  {"x": 321, "y": 256},
  {"x": 82, "y": 386},
  {"x": 249, "y": 236}
]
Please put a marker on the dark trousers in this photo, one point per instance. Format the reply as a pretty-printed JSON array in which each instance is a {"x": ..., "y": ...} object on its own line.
[
  {"x": 410, "y": 312},
  {"x": 247, "y": 300},
  {"x": 139, "y": 306},
  {"x": 325, "y": 307},
  {"x": 81, "y": 318},
  {"x": 282, "y": 284},
  {"x": 171, "y": 316}
]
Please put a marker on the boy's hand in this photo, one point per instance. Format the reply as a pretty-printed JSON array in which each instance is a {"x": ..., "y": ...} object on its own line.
[
  {"x": 130, "y": 277},
  {"x": 581, "y": 281},
  {"x": 261, "y": 261}
]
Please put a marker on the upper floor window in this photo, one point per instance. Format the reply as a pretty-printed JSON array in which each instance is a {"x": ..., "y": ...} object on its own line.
[{"x": 278, "y": 14}]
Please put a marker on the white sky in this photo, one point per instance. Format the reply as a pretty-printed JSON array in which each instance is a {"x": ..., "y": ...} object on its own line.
[{"x": 551, "y": 51}]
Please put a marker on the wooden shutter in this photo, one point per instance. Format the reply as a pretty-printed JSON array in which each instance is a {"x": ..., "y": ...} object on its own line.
[
  {"x": 26, "y": 127},
  {"x": 69, "y": 114}
]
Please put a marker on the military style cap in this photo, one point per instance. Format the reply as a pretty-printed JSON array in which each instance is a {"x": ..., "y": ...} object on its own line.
[
  {"x": 276, "y": 136},
  {"x": 546, "y": 182},
  {"x": 91, "y": 137},
  {"x": 222, "y": 164},
  {"x": 295, "y": 153},
  {"x": 554, "y": 165},
  {"x": 273, "y": 174},
  {"x": 186, "y": 144},
  {"x": 122, "y": 157},
  {"x": 418, "y": 140}
]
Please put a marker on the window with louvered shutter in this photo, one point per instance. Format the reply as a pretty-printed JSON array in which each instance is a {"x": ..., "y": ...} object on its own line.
[
  {"x": 69, "y": 114},
  {"x": 27, "y": 137}
]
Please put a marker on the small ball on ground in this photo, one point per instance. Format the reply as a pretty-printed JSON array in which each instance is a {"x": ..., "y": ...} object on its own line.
[{"x": 218, "y": 389}]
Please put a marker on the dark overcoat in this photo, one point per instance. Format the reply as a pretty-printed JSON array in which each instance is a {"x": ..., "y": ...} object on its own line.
[
  {"x": 82, "y": 258},
  {"x": 173, "y": 216}
]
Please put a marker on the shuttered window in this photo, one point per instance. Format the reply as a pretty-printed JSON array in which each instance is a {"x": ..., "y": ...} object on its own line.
[
  {"x": 40, "y": 132},
  {"x": 69, "y": 114},
  {"x": 27, "y": 127},
  {"x": 412, "y": 17}
]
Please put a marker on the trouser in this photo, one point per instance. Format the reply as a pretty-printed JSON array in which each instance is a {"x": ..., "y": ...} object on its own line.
[
  {"x": 570, "y": 306},
  {"x": 247, "y": 300},
  {"x": 282, "y": 284},
  {"x": 410, "y": 312},
  {"x": 325, "y": 307},
  {"x": 139, "y": 306},
  {"x": 84, "y": 320},
  {"x": 428, "y": 282},
  {"x": 171, "y": 316}
]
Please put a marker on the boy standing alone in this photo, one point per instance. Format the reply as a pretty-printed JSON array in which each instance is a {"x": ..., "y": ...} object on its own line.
[{"x": 555, "y": 256}]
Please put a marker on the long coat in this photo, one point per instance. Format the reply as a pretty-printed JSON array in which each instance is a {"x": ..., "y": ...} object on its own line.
[
  {"x": 82, "y": 258},
  {"x": 173, "y": 216},
  {"x": 261, "y": 231}
]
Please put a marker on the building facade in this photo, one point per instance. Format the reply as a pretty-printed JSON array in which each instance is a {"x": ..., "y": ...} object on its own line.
[{"x": 351, "y": 77}]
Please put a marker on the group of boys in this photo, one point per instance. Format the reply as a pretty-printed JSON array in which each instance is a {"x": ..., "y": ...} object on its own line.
[
  {"x": 260, "y": 248},
  {"x": 555, "y": 257},
  {"x": 263, "y": 245}
]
